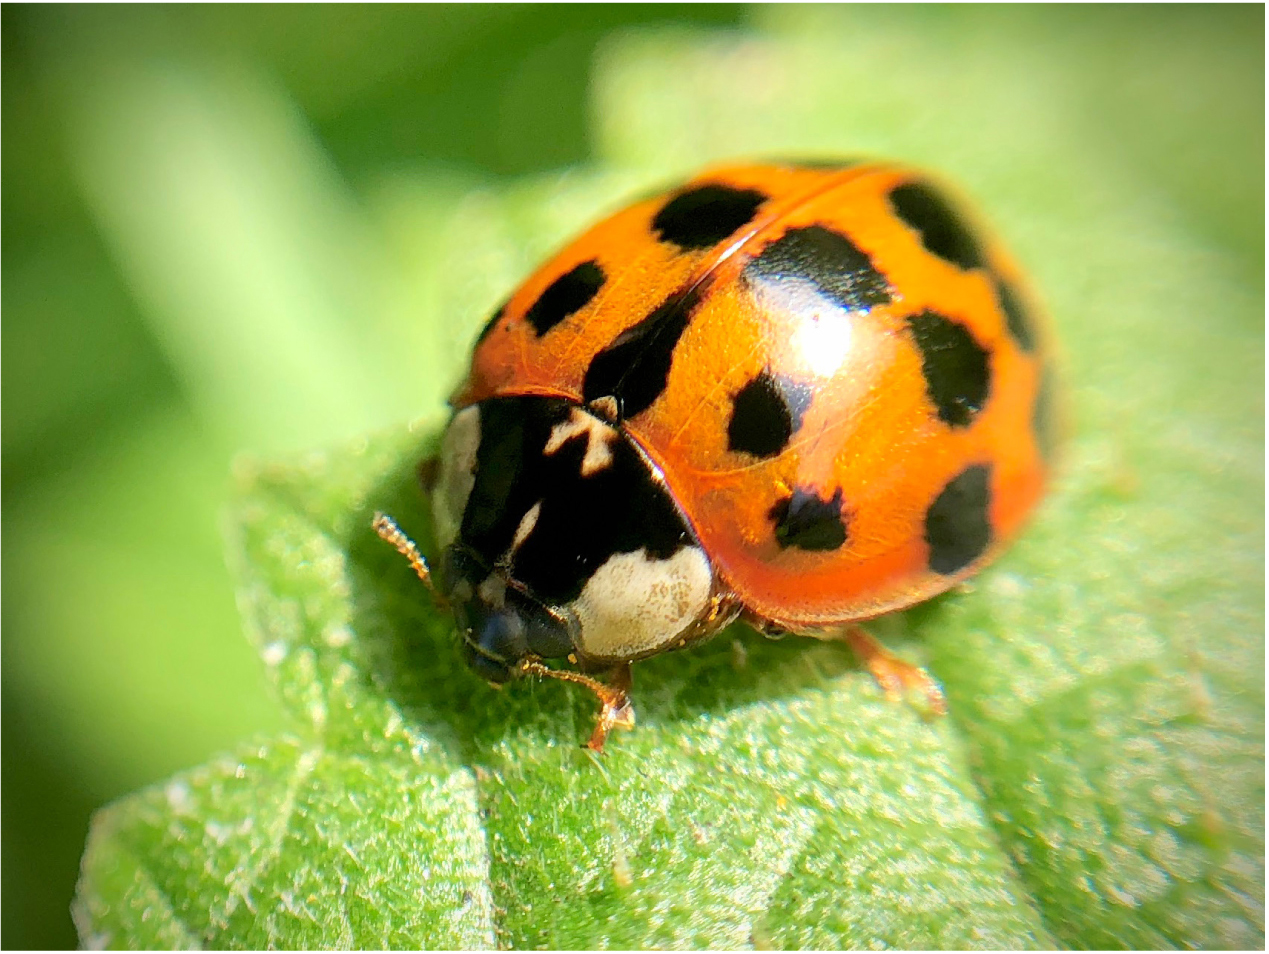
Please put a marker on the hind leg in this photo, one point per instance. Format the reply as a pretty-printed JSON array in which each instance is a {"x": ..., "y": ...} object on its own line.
[{"x": 898, "y": 679}]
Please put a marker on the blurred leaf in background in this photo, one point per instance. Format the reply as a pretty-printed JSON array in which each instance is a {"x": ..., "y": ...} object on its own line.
[
  {"x": 194, "y": 264},
  {"x": 276, "y": 227}
]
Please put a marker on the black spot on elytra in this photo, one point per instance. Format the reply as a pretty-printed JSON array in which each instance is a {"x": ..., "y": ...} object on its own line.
[
  {"x": 805, "y": 521},
  {"x": 578, "y": 526},
  {"x": 704, "y": 216},
  {"x": 765, "y": 414},
  {"x": 1016, "y": 318},
  {"x": 957, "y": 368},
  {"x": 565, "y": 296},
  {"x": 829, "y": 261},
  {"x": 942, "y": 229},
  {"x": 634, "y": 368},
  {"x": 491, "y": 323},
  {"x": 1043, "y": 418},
  {"x": 957, "y": 525}
]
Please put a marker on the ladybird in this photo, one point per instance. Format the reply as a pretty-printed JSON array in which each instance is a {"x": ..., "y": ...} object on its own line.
[{"x": 803, "y": 395}]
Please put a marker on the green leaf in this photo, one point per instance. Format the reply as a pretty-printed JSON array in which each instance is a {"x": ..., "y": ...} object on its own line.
[
  {"x": 739, "y": 808},
  {"x": 293, "y": 845},
  {"x": 1099, "y": 781}
]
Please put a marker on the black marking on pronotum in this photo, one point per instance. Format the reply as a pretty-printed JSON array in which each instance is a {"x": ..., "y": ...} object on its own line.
[
  {"x": 956, "y": 367},
  {"x": 635, "y": 367},
  {"x": 1016, "y": 318},
  {"x": 941, "y": 228},
  {"x": 506, "y": 434},
  {"x": 829, "y": 261},
  {"x": 491, "y": 323},
  {"x": 805, "y": 521},
  {"x": 578, "y": 525},
  {"x": 958, "y": 524},
  {"x": 565, "y": 296},
  {"x": 766, "y": 413},
  {"x": 703, "y": 216}
]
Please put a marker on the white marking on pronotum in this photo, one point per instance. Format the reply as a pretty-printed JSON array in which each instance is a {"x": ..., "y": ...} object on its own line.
[
  {"x": 527, "y": 523},
  {"x": 458, "y": 473},
  {"x": 633, "y": 605},
  {"x": 599, "y": 438}
]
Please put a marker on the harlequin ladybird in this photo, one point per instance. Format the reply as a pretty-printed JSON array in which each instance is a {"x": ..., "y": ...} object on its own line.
[{"x": 804, "y": 395}]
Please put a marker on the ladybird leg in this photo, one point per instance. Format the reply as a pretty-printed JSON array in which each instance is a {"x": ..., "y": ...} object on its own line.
[
  {"x": 616, "y": 710},
  {"x": 614, "y": 697},
  {"x": 388, "y": 530},
  {"x": 895, "y": 676}
]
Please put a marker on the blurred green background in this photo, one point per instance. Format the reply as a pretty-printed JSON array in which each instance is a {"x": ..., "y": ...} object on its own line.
[
  {"x": 243, "y": 142},
  {"x": 209, "y": 220}
]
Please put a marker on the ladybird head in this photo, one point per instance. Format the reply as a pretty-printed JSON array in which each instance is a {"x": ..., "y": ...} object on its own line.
[
  {"x": 560, "y": 540},
  {"x": 500, "y": 622}
]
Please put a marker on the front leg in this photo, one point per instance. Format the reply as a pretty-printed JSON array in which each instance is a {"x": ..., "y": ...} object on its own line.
[{"x": 614, "y": 697}]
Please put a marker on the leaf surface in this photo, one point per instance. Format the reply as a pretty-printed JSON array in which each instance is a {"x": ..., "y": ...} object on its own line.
[{"x": 1100, "y": 779}]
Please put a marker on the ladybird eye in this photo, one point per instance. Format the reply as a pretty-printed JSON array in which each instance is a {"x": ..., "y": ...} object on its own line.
[
  {"x": 546, "y": 635},
  {"x": 460, "y": 570},
  {"x": 497, "y": 633}
]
